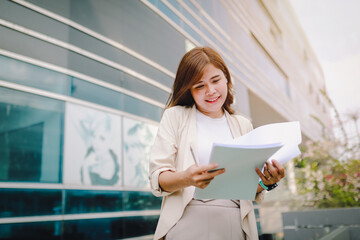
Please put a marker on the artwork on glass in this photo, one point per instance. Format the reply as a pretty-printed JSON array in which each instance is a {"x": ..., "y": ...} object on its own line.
[
  {"x": 138, "y": 140},
  {"x": 92, "y": 151}
]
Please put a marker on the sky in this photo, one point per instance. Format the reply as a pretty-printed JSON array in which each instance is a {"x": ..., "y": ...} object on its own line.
[{"x": 333, "y": 30}]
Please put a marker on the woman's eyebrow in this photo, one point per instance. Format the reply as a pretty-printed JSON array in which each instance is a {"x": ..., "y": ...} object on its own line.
[
  {"x": 201, "y": 81},
  {"x": 216, "y": 76}
]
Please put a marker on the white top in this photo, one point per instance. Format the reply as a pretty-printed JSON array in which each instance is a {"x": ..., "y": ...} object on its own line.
[{"x": 210, "y": 130}]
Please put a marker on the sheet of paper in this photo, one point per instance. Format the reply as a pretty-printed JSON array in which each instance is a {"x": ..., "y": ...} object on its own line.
[
  {"x": 240, "y": 179},
  {"x": 288, "y": 133},
  {"x": 240, "y": 158}
]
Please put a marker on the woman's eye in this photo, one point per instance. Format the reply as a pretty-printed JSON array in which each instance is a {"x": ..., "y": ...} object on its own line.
[
  {"x": 199, "y": 86},
  {"x": 216, "y": 80}
]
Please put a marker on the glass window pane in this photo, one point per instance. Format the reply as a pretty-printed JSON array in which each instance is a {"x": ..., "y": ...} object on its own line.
[
  {"x": 37, "y": 230},
  {"x": 163, "y": 8},
  {"x": 91, "y": 201},
  {"x": 138, "y": 140},
  {"x": 116, "y": 77},
  {"x": 30, "y": 137},
  {"x": 111, "y": 228},
  {"x": 110, "y": 98},
  {"x": 92, "y": 154},
  {"x": 33, "y": 76},
  {"x": 142, "y": 109},
  {"x": 140, "y": 201},
  {"x": 30, "y": 202}
]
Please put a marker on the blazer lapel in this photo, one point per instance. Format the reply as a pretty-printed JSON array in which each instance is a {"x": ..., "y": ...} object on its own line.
[
  {"x": 189, "y": 159},
  {"x": 192, "y": 134},
  {"x": 234, "y": 125}
]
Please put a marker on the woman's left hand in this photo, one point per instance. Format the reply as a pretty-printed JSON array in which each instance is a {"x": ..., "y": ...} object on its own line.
[{"x": 273, "y": 173}]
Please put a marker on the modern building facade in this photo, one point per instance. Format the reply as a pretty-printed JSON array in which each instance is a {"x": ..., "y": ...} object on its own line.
[{"x": 83, "y": 84}]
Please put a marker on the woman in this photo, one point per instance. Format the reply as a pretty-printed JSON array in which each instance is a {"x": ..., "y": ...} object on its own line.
[{"x": 198, "y": 114}]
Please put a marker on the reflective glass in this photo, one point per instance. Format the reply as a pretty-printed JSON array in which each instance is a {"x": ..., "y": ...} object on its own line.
[
  {"x": 110, "y": 98},
  {"x": 193, "y": 34},
  {"x": 187, "y": 14},
  {"x": 163, "y": 8},
  {"x": 111, "y": 228},
  {"x": 273, "y": 72},
  {"x": 142, "y": 109},
  {"x": 91, "y": 201},
  {"x": 31, "y": 132},
  {"x": 37, "y": 230},
  {"x": 140, "y": 201},
  {"x": 175, "y": 4},
  {"x": 15, "y": 71},
  {"x": 112, "y": 75},
  {"x": 92, "y": 147},
  {"x": 217, "y": 12},
  {"x": 189, "y": 4},
  {"x": 82, "y": 40},
  {"x": 139, "y": 138},
  {"x": 30, "y": 202},
  {"x": 154, "y": 2}
]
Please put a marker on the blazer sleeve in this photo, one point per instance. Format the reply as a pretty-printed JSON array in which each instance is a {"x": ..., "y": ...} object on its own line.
[{"x": 164, "y": 151}]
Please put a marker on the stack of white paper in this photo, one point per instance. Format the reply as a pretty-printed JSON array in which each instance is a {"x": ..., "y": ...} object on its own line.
[
  {"x": 288, "y": 133},
  {"x": 277, "y": 141}
]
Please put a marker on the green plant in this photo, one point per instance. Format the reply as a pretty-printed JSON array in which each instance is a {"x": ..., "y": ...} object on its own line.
[
  {"x": 328, "y": 170},
  {"x": 326, "y": 182}
]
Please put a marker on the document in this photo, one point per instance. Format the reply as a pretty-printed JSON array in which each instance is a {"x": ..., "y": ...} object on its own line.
[
  {"x": 240, "y": 158},
  {"x": 288, "y": 133},
  {"x": 240, "y": 179}
]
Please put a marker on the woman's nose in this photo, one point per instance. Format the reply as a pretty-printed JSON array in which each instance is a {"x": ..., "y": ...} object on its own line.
[{"x": 210, "y": 90}]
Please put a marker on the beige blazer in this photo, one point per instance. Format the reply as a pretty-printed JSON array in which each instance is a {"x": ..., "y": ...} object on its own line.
[{"x": 171, "y": 151}]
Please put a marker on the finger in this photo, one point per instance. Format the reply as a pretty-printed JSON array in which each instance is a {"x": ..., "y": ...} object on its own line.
[
  {"x": 217, "y": 172},
  {"x": 273, "y": 172},
  {"x": 203, "y": 182},
  {"x": 212, "y": 175},
  {"x": 204, "y": 185},
  {"x": 205, "y": 168},
  {"x": 267, "y": 173},
  {"x": 280, "y": 167},
  {"x": 260, "y": 174},
  {"x": 271, "y": 169},
  {"x": 268, "y": 177}
]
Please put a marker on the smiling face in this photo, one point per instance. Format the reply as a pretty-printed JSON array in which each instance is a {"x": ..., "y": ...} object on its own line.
[{"x": 210, "y": 92}]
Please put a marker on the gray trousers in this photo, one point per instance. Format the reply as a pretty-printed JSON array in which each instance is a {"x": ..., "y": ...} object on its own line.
[{"x": 209, "y": 220}]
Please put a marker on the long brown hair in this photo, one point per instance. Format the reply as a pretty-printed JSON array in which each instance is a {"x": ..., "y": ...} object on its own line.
[{"x": 190, "y": 70}]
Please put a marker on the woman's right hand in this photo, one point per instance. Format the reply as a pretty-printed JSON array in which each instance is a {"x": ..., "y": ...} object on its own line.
[{"x": 199, "y": 175}]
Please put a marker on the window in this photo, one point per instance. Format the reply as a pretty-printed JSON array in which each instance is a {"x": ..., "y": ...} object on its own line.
[
  {"x": 110, "y": 98},
  {"x": 117, "y": 228},
  {"x": 37, "y": 230},
  {"x": 30, "y": 137},
  {"x": 30, "y": 202},
  {"x": 139, "y": 138},
  {"x": 270, "y": 67},
  {"x": 33, "y": 76}
]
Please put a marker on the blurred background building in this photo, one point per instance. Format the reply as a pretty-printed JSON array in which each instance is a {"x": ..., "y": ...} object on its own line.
[{"x": 83, "y": 84}]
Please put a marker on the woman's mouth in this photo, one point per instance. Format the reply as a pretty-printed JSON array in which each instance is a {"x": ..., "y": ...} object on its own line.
[{"x": 212, "y": 100}]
